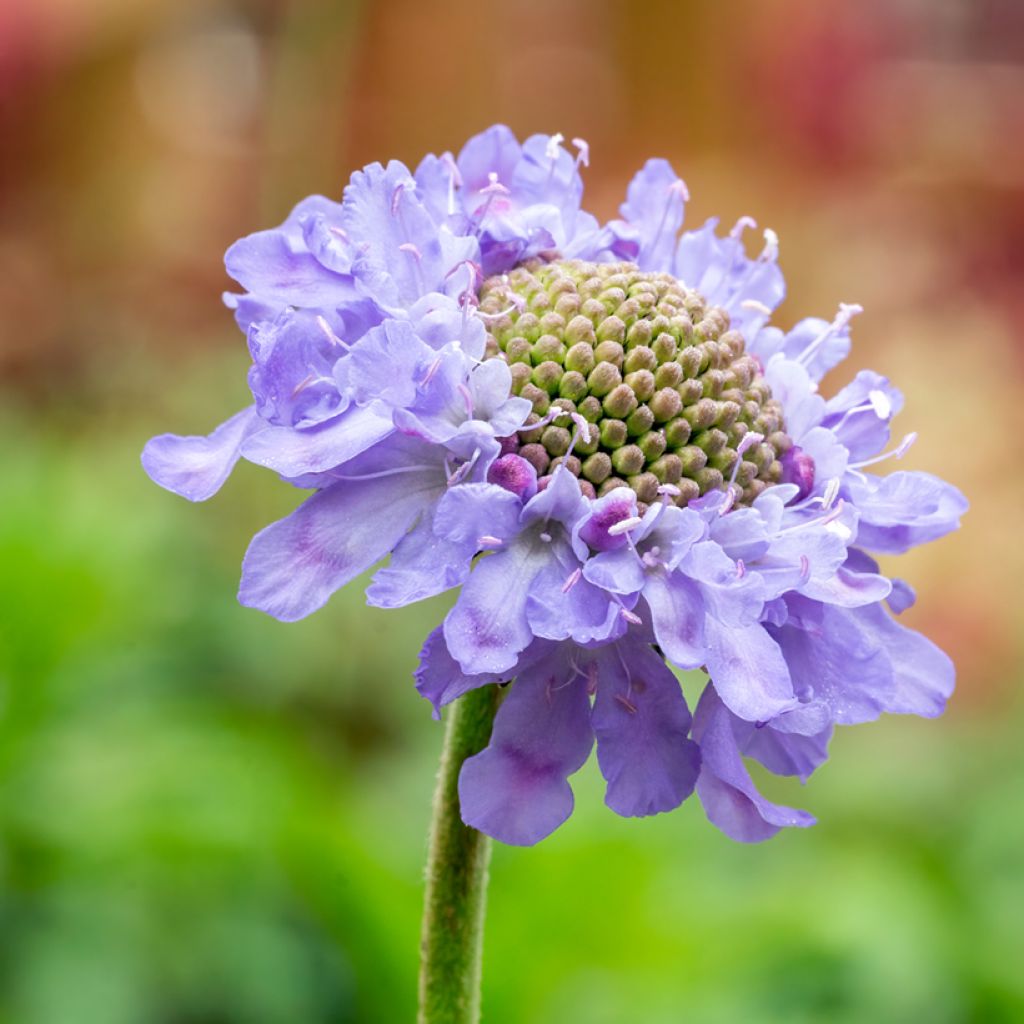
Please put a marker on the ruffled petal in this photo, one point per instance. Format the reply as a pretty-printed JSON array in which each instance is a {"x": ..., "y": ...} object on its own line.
[
  {"x": 904, "y": 509},
  {"x": 730, "y": 798},
  {"x": 748, "y": 670},
  {"x": 654, "y": 208},
  {"x": 398, "y": 250},
  {"x": 294, "y": 565},
  {"x": 677, "y": 615},
  {"x": 488, "y": 627},
  {"x": 642, "y": 722},
  {"x": 517, "y": 789},
  {"x": 294, "y": 453},
  {"x": 276, "y": 272},
  {"x": 196, "y": 467}
]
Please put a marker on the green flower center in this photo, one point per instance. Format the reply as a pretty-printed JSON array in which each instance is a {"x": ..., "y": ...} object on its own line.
[{"x": 666, "y": 387}]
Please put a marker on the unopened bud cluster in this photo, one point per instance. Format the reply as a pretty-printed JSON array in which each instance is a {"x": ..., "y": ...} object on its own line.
[{"x": 666, "y": 388}]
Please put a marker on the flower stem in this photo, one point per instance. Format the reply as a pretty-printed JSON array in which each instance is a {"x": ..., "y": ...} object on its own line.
[{"x": 453, "y": 915}]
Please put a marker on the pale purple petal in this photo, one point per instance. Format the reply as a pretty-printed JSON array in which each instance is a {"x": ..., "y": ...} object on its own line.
[
  {"x": 677, "y": 615},
  {"x": 642, "y": 722},
  {"x": 904, "y": 509},
  {"x": 730, "y": 798},
  {"x": 517, "y": 789},
  {"x": 654, "y": 207},
  {"x": 294, "y": 565},
  {"x": 748, "y": 670},
  {"x": 196, "y": 467},
  {"x": 294, "y": 453}
]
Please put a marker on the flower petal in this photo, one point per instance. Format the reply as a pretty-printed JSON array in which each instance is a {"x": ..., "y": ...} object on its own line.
[
  {"x": 196, "y": 467},
  {"x": 293, "y": 453},
  {"x": 517, "y": 789},
  {"x": 730, "y": 798},
  {"x": 654, "y": 207},
  {"x": 748, "y": 670},
  {"x": 642, "y": 722},
  {"x": 294, "y": 565}
]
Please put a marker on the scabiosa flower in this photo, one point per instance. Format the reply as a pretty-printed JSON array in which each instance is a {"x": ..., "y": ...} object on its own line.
[{"x": 596, "y": 433}]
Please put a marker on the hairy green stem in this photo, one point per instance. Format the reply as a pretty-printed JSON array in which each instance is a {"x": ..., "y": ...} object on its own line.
[{"x": 453, "y": 915}]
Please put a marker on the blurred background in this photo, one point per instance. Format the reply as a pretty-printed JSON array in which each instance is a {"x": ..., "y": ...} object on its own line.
[{"x": 207, "y": 817}]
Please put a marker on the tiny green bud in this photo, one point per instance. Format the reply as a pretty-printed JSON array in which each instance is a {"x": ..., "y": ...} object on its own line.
[
  {"x": 646, "y": 486},
  {"x": 556, "y": 440},
  {"x": 641, "y": 383},
  {"x": 692, "y": 459},
  {"x": 580, "y": 358},
  {"x": 628, "y": 460},
  {"x": 548, "y": 349},
  {"x": 597, "y": 467},
  {"x": 620, "y": 402},
  {"x": 603, "y": 379},
  {"x": 641, "y": 420},
  {"x": 547, "y": 377},
  {"x": 639, "y": 358},
  {"x": 652, "y": 444},
  {"x": 573, "y": 386},
  {"x": 677, "y": 433},
  {"x": 609, "y": 352},
  {"x": 590, "y": 409},
  {"x": 668, "y": 375},
  {"x": 518, "y": 351},
  {"x": 668, "y": 469},
  {"x": 613, "y": 433},
  {"x": 666, "y": 404},
  {"x": 580, "y": 329}
]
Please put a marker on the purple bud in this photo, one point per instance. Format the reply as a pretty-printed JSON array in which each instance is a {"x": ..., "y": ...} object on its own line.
[
  {"x": 515, "y": 474},
  {"x": 798, "y": 468}
]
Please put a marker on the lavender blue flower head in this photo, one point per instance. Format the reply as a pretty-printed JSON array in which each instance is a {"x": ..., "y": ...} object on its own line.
[{"x": 594, "y": 432}]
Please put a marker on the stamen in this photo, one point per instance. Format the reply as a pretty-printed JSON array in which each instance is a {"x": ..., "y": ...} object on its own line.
[
  {"x": 546, "y": 537},
  {"x": 770, "y": 252},
  {"x": 677, "y": 188},
  {"x": 633, "y": 620},
  {"x": 331, "y": 336},
  {"x": 741, "y": 568},
  {"x": 805, "y": 569},
  {"x": 454, "y": 181},
  {"x": 572, "y": 579},
  {"x": 756, "y": 307},
  {"x": 897, "y": 453},
  {"x": 583, "y": 152},
  {"x": 741, "y": 225},
  {"x": 553, "y": 144},
  {"x": 432, "y": 372},
  {"x": 468, "y": 397},
  {"x": 487, "y": 541},
  {"x": 464, "y": 470},
  {"x": 340, "y": 232},
  {"x": 396, "y": 196},
  {"x": 881, "y": 403},
  {"x": 626, "y": 703},
  {"x": 847, "y": 311},
  {"x": 624, "y": 526},
  {"x": 375, "y": 476},
  {"x": 828, "y": 499},
  {"x": 494, "y": 187},
  {"x": 412, "y": 250}
]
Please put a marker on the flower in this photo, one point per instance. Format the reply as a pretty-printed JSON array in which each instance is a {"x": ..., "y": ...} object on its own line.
[{"x": 595, "y": 432}]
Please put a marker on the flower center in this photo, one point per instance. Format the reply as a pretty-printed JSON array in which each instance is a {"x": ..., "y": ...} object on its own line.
[{"x": 668, "y": 390}]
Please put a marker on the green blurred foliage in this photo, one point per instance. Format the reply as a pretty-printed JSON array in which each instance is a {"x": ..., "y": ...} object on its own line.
[{"x": 207, "y": 816}]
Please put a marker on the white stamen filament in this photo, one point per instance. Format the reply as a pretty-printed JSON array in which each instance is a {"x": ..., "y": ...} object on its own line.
[
  {"x": 583, "y": 152},
  {"x": 897, "y": 453},
  {"x": 571, "y": 580},
  {"x": 624, "y": 526},
  {"x": 331, "y": 336},
  {"x": 847, "y": 311}
]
